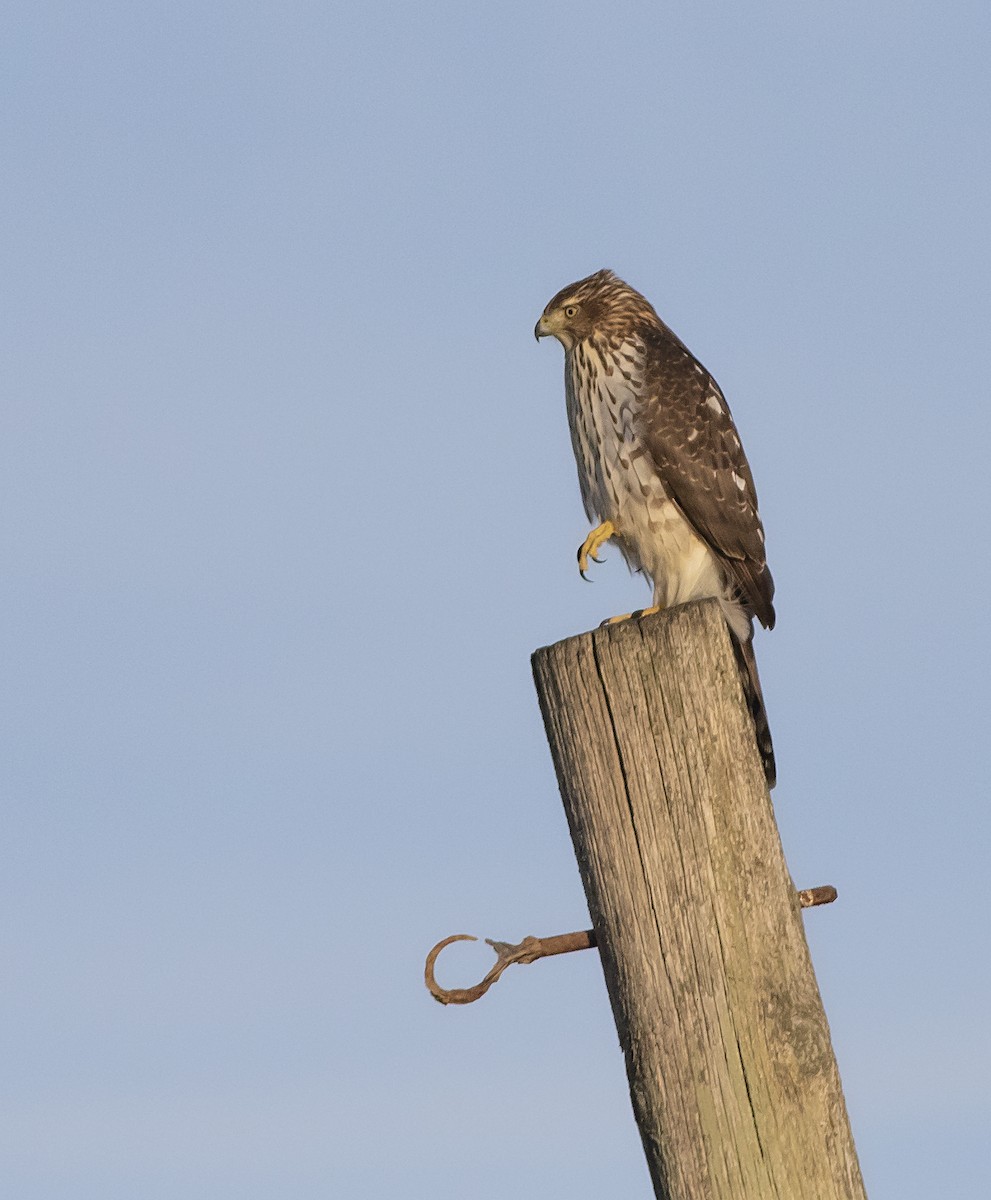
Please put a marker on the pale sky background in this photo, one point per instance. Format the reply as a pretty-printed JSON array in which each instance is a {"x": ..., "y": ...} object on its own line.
[{"x": 288, "y": 500}]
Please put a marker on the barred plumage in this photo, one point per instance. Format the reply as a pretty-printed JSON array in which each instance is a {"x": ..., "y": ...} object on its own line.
[{"x": 661, "y": 463}]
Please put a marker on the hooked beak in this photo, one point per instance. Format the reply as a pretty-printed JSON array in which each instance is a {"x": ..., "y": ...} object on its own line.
[{"x": 539, "y": 330}]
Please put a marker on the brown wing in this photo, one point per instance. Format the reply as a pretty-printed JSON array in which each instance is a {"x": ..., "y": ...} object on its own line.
[{"x": 689, "y": 432}]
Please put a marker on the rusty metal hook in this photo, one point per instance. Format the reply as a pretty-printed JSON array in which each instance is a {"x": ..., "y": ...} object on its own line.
[
  {"x": 532, "y": 948},
  {"x": 527, "y": 951}
]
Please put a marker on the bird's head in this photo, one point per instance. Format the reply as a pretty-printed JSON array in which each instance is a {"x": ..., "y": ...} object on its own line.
[{"x": 580, "y": 308}]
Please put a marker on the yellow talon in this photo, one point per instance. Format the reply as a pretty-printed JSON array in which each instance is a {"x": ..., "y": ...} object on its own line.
[
  {"x": 640, "y": 612},
  {"x": 595, "y": 539}
]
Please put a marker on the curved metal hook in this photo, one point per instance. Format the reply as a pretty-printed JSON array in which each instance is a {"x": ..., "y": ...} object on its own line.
[
  {"x": 529, "y": 950},
  {"x": 532, "y": 948}
]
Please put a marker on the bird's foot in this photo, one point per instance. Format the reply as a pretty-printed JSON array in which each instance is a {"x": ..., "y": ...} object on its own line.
[
  {"x": 595, "y": 539},
  {"x": 640, "y": 612}
]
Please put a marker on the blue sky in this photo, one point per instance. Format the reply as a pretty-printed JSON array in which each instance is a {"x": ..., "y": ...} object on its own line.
[{"x": 288, "y": 500}]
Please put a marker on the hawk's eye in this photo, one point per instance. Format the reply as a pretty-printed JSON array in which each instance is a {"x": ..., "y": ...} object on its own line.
[{"x": 571, "y": 310}]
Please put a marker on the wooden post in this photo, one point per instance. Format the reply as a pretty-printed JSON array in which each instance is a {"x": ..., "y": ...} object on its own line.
[{"x": 732, "y": 1076}]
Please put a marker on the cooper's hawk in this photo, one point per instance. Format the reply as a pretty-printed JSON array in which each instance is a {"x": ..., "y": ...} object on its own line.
[{"x": 661, "y": 465}]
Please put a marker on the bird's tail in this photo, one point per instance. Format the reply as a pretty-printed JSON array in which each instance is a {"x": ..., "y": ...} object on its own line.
[{"x": 755, "y": 702}]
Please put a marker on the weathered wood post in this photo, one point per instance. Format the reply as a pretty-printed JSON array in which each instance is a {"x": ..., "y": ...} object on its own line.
[{"x": 732, "y": 1076}]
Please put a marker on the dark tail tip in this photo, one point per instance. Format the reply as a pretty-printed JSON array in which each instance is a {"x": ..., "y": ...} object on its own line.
[{"x": 755, "y": 702}]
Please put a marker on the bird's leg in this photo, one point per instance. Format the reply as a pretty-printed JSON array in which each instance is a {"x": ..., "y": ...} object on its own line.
[
  {"x": 640, "y": 612},
  {"x": 602, "y": 533}
]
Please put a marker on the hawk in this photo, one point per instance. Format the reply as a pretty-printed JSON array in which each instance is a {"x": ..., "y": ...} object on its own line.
[{"x": 661, "y": 465}]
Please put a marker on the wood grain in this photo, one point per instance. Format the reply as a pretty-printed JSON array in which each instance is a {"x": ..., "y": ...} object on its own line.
[{"x": 732, "y": 1075}]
